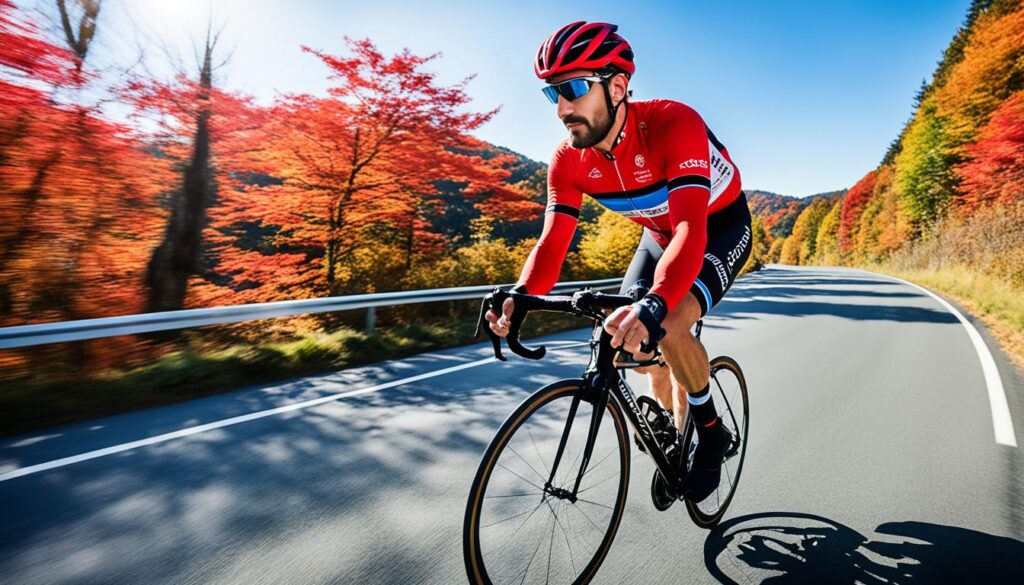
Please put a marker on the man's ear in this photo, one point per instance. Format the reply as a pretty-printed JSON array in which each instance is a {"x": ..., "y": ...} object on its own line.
[{"x": 620, "y": 88}]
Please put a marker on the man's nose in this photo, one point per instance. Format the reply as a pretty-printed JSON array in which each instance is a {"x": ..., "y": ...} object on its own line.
[{"x": 564, "y": 107}]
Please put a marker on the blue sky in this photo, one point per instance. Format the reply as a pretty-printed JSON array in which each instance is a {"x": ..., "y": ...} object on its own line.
[{"x": 806, "y": 95}]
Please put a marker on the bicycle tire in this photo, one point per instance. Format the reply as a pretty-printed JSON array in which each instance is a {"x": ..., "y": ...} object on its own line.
[
  {"x": 476, "y": 559},
  {"x": 706, "y": 518}
]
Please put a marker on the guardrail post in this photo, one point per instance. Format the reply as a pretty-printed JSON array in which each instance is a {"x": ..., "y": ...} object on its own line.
[{"x": 371, "y": 318}]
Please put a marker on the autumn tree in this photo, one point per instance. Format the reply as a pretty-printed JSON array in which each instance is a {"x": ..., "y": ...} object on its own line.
[
  {"x": 354, "y": 175},
  {"x": 800, "y": 246},
  {"x": 76, "y": 189},
  {"x": 826, "y": 246},
  {"x": 994, "y": 172},
  {"x": 852, "y": 207}
]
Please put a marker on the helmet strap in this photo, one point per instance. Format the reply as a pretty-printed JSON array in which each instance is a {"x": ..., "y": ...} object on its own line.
[{"x": 613, "y": 110}]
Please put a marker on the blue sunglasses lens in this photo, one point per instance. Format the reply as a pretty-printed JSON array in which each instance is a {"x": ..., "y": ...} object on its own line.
[
  {"x": 572, "y": 89},
  {"x": 551, "y": 93}
]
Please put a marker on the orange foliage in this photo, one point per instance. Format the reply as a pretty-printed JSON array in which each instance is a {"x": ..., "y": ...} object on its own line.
[
  {"x": 355, "y": 171},
  {"x": 993, "y": 59},
  {"x": 78, "y": 193},
  {"x": 853, "y": 205}
]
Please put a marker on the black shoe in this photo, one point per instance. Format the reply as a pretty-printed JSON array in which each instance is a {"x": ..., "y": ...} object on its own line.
[{"x": 712, "y": 446}]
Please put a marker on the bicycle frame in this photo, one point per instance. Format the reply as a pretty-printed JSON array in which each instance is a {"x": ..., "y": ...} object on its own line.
[{"x": 601, "y": 382}]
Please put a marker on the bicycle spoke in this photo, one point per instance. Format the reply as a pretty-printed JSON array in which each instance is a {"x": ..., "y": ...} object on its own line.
[
  {"x": 516, "y": 453},
  {"x": 510, "y": 495},
  {"x": 520, "y": 477},
  {"x": 534, "y": 555},
  {"x": 508, "y": 521},
  {"x": 565, "y": 534},
  {"x": 512, "y": 517},
  {"x": 539, "y": 456},
  {"x": 565, "y": 478},
  {"x": 598, "y": 483},
  {"x": 598, "y": 464},
  {"x": 585, "y": 515},
  {"x": 516, "y": 531},
  {"x": 593, "y": 503},
  {"x": 551, "y": 545}
]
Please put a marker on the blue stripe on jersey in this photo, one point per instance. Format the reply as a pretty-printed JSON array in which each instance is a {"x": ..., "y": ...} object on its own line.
[{"x": 629, "y": 204}]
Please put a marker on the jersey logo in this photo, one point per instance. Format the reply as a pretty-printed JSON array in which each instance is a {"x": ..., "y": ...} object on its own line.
[
  {"x": 693, "y": 163},
  {"x": 595, "y": 174},
  {"x": 639, "y": 160}
]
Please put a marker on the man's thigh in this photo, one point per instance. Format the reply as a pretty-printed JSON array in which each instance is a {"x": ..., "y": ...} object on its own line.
[{"x": 682, "y": 317}]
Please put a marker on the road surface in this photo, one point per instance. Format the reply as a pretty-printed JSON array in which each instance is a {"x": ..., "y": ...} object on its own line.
[{"x": 872, "y": 457}]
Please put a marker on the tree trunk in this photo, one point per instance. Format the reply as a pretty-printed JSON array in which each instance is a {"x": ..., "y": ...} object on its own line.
[{"x": 177, "y": 256}]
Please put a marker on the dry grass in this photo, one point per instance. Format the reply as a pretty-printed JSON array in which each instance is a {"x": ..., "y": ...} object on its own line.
[{"x": 979, "y": 262}]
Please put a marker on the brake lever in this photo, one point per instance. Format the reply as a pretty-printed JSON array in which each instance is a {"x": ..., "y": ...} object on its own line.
[{"x": 488, "y": 303}]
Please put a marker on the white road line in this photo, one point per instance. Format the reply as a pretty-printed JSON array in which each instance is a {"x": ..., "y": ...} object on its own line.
[
  {"x": 249, "y": 417},
  {"x": 1001, "y": 421}
]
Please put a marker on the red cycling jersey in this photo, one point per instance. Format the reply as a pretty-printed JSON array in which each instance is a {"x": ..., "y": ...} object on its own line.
[{"x": 666, "y": 171}]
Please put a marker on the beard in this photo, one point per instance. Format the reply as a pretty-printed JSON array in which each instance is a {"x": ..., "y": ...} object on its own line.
[{"x": 592, "y": 132}]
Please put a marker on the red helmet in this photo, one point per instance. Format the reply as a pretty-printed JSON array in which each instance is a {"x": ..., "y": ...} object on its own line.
[{"x": 583, "y": 45}]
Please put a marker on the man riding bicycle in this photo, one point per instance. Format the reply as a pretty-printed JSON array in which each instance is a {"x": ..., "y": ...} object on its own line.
[{"x": 657, "y": 163}]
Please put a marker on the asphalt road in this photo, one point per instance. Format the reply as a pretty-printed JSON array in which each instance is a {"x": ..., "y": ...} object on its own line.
[{"x": 871, "y": 459}]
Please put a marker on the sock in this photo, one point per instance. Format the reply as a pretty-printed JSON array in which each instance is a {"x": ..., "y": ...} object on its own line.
[{"x": 702, "y": 408}]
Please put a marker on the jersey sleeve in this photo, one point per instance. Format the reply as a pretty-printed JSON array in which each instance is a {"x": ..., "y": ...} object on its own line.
[
  {"x": 683, "y": 141},
  {"x": 540, "y": 273}
]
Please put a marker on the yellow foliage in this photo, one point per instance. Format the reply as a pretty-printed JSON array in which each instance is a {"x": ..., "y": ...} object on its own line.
[
  {"x": 774, "y": 254},
  {"x": 790, "y": 251},
  {"x": 827, "y": 245},
  {"x": 482, "y": 262},
  {"x": 800, "y": 245},
  {"x": 607, "y": 245},
  {"x": 759, "y": 246}
]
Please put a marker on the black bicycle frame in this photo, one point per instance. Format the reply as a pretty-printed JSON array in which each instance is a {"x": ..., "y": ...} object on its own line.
[{"x": 601, "y": 382}]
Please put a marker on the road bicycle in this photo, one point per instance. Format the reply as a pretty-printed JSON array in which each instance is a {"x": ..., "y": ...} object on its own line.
[{"x": 550, "y": 491}]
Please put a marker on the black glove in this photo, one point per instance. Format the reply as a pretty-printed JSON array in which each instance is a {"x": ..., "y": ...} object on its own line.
[{"x": 651, "y": 310}]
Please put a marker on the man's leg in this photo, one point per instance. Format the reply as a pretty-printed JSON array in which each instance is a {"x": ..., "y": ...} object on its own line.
[{"x": 687, "y": 360}]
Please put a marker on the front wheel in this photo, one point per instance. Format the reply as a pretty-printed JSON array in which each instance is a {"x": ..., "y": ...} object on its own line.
[
  {"x": 729, "y": 391},
  {"x": 523, "y": 524}
]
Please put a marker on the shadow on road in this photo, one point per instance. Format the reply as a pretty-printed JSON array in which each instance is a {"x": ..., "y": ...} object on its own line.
[
  {"x": 337, "y": 487},
  {"x": 779, "y": 292},
  {"x": 804, "y": 548}
]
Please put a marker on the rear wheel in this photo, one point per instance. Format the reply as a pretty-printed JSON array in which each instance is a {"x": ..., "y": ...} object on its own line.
[
  {"x": 729, "y": 391},
  {"x": 521, "y": 528}
]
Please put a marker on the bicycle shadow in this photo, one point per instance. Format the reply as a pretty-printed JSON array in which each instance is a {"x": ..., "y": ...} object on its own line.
[{"x": 793, "y": 547}]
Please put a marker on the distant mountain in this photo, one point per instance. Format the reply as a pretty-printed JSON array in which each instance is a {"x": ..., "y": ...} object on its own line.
[{"x": 779, "y": 212}]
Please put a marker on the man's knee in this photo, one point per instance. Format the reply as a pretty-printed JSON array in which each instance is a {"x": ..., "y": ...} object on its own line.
[{"x": 680, "y": 320}]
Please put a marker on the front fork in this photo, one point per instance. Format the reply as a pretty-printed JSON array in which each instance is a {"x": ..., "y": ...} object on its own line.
[{"x": 598, "y": 384}]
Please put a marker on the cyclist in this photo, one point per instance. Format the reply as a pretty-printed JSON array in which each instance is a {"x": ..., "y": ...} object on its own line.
[{"x": 657, "y": 163}]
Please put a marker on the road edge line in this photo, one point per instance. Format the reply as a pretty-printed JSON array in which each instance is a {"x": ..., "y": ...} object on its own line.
[{"x": 1002, "y": 423}]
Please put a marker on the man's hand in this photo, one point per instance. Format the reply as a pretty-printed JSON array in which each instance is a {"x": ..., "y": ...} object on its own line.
[
  {"x": 630, "y": 326},
  {"x": 500, "y": 325},
  {"x": 626, "y": 329}
]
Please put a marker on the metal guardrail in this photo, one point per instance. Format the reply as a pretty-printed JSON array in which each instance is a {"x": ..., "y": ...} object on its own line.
[{"x": 44, "y": 333}]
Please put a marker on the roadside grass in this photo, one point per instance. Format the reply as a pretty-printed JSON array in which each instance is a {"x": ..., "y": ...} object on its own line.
[{"x": 49, "y": 399}]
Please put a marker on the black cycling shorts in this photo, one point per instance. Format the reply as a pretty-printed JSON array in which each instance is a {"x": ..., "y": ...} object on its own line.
[{"x": 728, "y": 248}]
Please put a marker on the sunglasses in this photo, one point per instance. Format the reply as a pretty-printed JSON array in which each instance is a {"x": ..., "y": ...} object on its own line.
[{"x": 571, "y": 89}]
